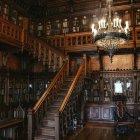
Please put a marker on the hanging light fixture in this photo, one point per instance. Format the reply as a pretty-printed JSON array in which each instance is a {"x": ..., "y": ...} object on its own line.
[{"x": 109, "y": 33}]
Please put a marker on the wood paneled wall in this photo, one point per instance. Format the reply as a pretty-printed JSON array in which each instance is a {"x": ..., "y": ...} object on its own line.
[
  {"x": 10, "y": 61},
  {"x": 94, "y": 63},
  {"x": 119, "y": 62}
]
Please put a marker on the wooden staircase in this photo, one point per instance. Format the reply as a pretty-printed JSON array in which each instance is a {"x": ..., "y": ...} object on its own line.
[
  {"x": 50, "y": 118},
  {"x": 47, "y": 128}
]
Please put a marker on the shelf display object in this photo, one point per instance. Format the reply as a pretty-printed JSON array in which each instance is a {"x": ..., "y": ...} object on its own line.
[
  {"x": 56, "y": 27},
  {"x": 95, "y": 90},
  {"x": 138, "y": 17},
  {"x": 118, "y": 86},
  {"x": 40, "y": 29},
  {"x": 107, "y": 90},
  {"x": 85, "y": 24},
  {"x": 6, "y": 11},
  {"x": 48, "y": 28},
  {"x": 2, "y": 90},
  {"x": 138, "y": 89},
  {"x": 75, "y": 27},
  {"x": 31, "y": 28},
  {"x": 127, "y": 17},
  {"x": 14, "y": 16},
  {"x": 0, "y": 7},
  {"x": 65, "y": 28},
  {"x": 129, "y": 87},
  {"x": 124, "y": 86}
]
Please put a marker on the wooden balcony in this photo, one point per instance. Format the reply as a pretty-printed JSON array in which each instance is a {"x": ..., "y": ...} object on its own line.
[
  {"x": 73, "y": 42},
  {"x": 10, "y": 33}
]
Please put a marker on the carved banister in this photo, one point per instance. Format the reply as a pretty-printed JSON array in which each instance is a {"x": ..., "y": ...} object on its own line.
[
  {"x": 55, "y": 80},
  {"x": 10, "y": 32},
  {"x": 79, "y": 73},
  {"x": 37, "y": 113},
  {"x": 72, "y": 102}
]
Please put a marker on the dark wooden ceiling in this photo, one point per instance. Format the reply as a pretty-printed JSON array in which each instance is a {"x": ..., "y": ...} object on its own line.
[{"x": 44, "y": 8}]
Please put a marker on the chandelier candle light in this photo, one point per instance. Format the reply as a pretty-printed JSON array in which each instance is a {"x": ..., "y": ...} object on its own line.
[{"x": 110, "y": 34}]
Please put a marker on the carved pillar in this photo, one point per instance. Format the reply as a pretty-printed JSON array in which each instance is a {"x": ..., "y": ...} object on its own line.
[
  {"x": 135, "y": 60},
  {"x": 101, "y": 60},
  {"x": 101, "y": 88},
  {"x": 135, "y": 89}
]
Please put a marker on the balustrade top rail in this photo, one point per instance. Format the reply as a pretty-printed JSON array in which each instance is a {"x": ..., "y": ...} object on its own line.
[
  {"x": 16, "y": 36},
  {"x": 10, "y": 32},
  {"x": 10, "y": 123},
  {"x": 47, "y": 92},
  {"x": 82, "y": 66}
]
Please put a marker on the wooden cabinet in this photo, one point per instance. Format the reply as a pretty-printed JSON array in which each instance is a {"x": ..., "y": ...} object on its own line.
[
  {"x": 106, "y": 84},
  {"x": 102, "y": 112},
  {"x": 95, "y": 90},
  {"x": 48, "y": 28},
  {"x": 76, "y": 26},
  {"x": 40, "y": 29},
  {"x": 65, "y": 26},
  {"x": 56, "y": 27},
  {"x": 107, "y": 89},
  {"x": 22, "y": 88},
  {"x": 105, "y": 112}
]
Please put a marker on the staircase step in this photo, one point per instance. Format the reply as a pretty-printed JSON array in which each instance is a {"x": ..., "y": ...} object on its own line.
[
  {"x": 57, "y": 104},
  {"x": 64, "y": 90},
  {"x": 50, "y": 123},
  {"x": 47, "y": 131},
  {"x": 61, "y": 94},
  {"x": 44, "y": 138},
  {"x": 47, "y": 128},
  {"x": 54, "y": 109}
]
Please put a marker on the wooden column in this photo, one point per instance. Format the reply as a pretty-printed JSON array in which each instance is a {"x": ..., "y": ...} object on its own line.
[
  {"x": 22, "y": 39},
  {"x": 101, "y": 88},
  {"x": 85, "y": 58},
  {"x": 101, "y": 60},
  {"x": 68, "y": 63},
  {"x": 57, "y": 126}
]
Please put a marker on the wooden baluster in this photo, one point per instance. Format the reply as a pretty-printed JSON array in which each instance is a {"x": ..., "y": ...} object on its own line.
[
  {"x": 67, "y": 69},
  {"x": 85, "y": 60},
  {"x": 82, "y": 40}
]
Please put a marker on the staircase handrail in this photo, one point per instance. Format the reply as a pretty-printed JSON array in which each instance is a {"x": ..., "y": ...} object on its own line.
[
  {"x": 47, "y": 92},
  {"x": 69, "y": 93}
]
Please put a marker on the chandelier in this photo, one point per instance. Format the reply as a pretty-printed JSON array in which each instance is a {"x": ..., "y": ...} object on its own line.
[{"x": 109, "y": 33}]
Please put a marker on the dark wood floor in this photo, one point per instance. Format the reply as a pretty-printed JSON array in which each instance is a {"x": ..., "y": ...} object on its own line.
[{"x": 92, "y": 132}]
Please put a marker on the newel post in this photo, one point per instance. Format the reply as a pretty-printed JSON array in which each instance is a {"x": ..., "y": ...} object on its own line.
[
  {"x": 30, "y": 124},
  {"x": 85, "y": 58},
  {"x": 57, "y": 126},
  {"x": 68, "y": 69}
]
